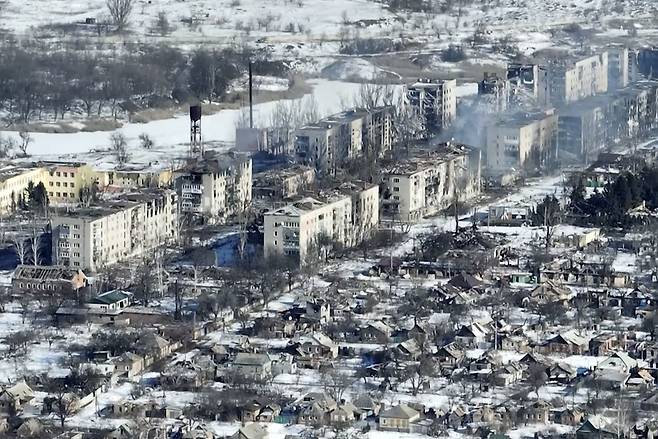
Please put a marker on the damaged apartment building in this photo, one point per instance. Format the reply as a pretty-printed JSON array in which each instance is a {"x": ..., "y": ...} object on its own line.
[
  {"x": 279, "y": 184},
  {"x": 433, "y": 102},
  {"x": 330, "y": 142},
  {"x": 430, "y": 181},
  {"x": 586, "y": 126},
  {"x": 93, "y": 237},
  {"x": 215, "y": 187},
  {"x": 301, "y": 230},
  {"x": 528, "y": 84},
  {"x": 524, "y": 141}
]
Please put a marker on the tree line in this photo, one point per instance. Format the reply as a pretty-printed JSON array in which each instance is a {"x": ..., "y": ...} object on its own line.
[
  {"x": 38, "y": 81},
  {"x": 610, "y": 205}
]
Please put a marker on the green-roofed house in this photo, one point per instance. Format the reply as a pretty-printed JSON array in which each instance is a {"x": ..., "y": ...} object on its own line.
[
  {"x": 398, "y": 418},
  {"x": 114, "y": 300}
]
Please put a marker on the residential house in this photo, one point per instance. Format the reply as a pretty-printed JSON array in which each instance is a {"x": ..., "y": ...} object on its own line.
[
  {"x": 314, "y": 408},
  {"x": 604, "y": 344},
  {"x": 409, "y": 349},
  {"x": 13, "y": 398},
  {"x": 450, "y": 355},
  {"x": 596, "y": 427},
  {"x": 311, "y": 350},
  {"x": 508, "y": 374},
  {"x": 562, "y": 373},
  {"x": 130, "y": 364},
  {"x": 31, "y": 428},
  {"x": 154, "y": 344},
  {"x": 398, "y": 418},
  {"x": 547, "y": 292},
  {"x": 268, "y": 327},
  {"x": 618, "y": 361},
  {"x": 537, "y": 412},
  {"x": 251, "y": 431},
  {"x": 376, "y": 332},
  {"x": 473, "y": 335},
  {"x": 257, "y": 366},
  {"x": 568, "y": 416},
  {"x": 569, "y": 343},
  {"x": 367, "y": 405}
]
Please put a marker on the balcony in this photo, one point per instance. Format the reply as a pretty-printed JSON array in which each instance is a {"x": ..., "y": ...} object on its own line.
[{"x": 192, "y": 189}]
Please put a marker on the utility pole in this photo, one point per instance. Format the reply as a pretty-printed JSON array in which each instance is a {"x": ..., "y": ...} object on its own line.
[{"x": 251, "y": 98}]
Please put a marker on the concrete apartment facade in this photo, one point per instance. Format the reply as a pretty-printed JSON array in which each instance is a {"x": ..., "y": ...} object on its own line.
[
  {"x": 13, "y": 183},
  {"x": 336, "y": 139},
  {"x": 434, "y": 104},
  {"x": 619, "y": 70},
  {"x": 347, "y": 216},
  {"x": 427, "y": 183},
  {"x": 520, "y": 141},
  {"x": 94, "y": 237},
  {"x": 575, "y": 80},
  {"x": 65, "y": 180},
  {"x": 528, "y": 81},
  {"x": 278, "y": 184},
  {"x": 215, "y": 188}
]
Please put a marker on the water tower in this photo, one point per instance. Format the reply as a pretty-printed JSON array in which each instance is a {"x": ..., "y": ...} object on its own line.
[{"x": 196, "y": 146}]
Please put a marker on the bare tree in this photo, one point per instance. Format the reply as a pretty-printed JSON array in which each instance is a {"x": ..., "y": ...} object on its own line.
[
  {"x": 120, "y": 11},
  {"x": 371, "y": 96},
  {"x": 335, "y": 382},
  {"x": 35, "y": 244},
  {"x": 26, "y": 139},
  {"x": 162, "y": 25},
  {"x": 20, "y": 247},
  {"x": 146, "y": 141},
  {"x": 119, "y": 146}
]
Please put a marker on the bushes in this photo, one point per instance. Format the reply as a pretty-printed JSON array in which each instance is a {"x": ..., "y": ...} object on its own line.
[
  {"x": 37, "y": 79},
  {"x": 453, "y": 54}
]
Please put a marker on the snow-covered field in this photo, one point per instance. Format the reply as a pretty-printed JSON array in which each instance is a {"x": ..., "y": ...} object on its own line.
[{"x": 171, "y": 136}]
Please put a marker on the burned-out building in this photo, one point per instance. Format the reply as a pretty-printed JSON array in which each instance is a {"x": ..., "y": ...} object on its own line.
[
  {"x": 215, "y": 187},
  {"x": 332, "y": 141},
  {"x": 528, "y": 82},
  {"x": 494, "y": 90},
  {"x": 278, "y": 184},
  {"x": 434, "y": 103},
  {"x": 521, "y": 141},
  {"x": 575, "y": 78},
  {"x": 429, "y": 181},
  {"x": 582, "y": 130}
]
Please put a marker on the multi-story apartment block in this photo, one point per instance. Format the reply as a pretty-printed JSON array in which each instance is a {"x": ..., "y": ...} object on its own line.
[
  {"x": 94, "y": 237},
  {"x": 521, "y": 141},
  {"x": 136, "y": 176},
  {"x": 528, "y": 82},
  {"x": 618, "y": 68},
  {"x": 345, "y": 216},
  {"x": 279, "y": 184},
  {"x": 336, "y": 139},
  {"x": 65, "y": 180},
  {"x": 582, "y": 130},
  {"x": 494, "y": 90},
  {"x": 434, "y": 104},
  {"x": 573, "y": 80},
  {"x": 429, "y": 182},
  {"x": 14, "y": 180},
  {"x": 215, "y": 188}
]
